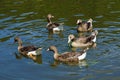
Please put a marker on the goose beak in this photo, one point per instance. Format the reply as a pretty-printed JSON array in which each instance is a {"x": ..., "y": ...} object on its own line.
[
  {"x": 52, "y": 16},
  {"x": 86, "y": 49},
  {"x": 15, "y": 41},
  {"x": 48, "y": 49},
  {"x": 78, "y": 21},
  {"x": 90, "y": 20}
]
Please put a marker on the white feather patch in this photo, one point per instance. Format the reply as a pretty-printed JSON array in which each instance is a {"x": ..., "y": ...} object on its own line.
[
  {"x": 59, "y": 28},
  {"x": 36, "y": 52},
  {"x": 32, "y": 52},
  {"x": 94, "y": 40},
  {"x": 81, "y": 57},
  {"x": 56, "y": 29}
]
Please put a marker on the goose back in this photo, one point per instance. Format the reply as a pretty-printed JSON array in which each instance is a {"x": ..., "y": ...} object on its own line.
[{"x": 68, "y": 56}]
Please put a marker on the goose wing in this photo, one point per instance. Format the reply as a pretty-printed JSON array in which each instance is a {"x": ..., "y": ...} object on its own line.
[
  {"x": 80, "y": 40},
  {"x": 66, "y": 56},
  {"x": 28, "y": 48},
  {"x": 90, "y": 38},
  {"x": 50, "y": 26},
  {"x": 75, "y": 55},
  {"x": 56, "y": 24}
]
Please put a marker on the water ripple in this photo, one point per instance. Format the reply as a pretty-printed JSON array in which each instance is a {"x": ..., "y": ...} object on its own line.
[
  {"x": 28, "y": 13},
  {"x": 6, "y": 19},
  {"x": 20, "y": 18}
]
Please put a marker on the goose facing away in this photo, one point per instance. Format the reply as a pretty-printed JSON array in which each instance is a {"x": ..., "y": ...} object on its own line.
[
  {"x": 26, "y": 50},
  {"x": 82, "y": 42},
  {"x": 84, "y": 26},
  {"x": 52, "y": 26},
  {"x": 68, "y": 56}
]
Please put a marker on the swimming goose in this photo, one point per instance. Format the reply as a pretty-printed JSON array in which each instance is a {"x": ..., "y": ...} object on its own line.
[
  {"x": 68, "y": 56},
  {"x": 82, "y": 42},
  {"x": 26, "y": 50},
  {"x": 51, "y": 26},
  {"x": 84, "y": 26}
]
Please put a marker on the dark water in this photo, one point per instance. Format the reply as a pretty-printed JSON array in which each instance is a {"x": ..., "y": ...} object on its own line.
[{"x": 27, "y": 19}]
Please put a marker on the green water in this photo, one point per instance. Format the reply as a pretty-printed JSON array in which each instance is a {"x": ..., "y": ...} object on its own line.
[{"x": 27, "y": 19}]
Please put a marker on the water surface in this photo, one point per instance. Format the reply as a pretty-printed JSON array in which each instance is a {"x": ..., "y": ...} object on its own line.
[{"x": 27, "y": 19}]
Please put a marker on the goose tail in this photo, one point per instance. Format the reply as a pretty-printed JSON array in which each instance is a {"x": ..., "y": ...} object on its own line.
[
  {"x": 38, "y": 51},
  {"x": 94, "y": 34}
]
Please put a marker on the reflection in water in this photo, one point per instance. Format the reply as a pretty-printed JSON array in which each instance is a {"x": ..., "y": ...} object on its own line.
[
  {"x": 51, "y": 33},
  {"x": 18, "y": 56},
  {"x": 28, "y": 20},
  {"x": 36, "y": 59},
  {"x": 55, "y": 63},
  {"x": 82, "y": 63}
]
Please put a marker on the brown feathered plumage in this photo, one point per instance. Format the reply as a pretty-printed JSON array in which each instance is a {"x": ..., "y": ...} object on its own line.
[
  {"x": 24, "y": 50},
  {"x": 84, "y": 26},
  {"x": 52, "y": 25},
  {"x": 68, "y": 56}
]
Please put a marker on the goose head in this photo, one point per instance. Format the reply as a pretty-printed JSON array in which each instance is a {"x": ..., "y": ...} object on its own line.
[
  {"x": 84, "y": 25},
  {"x": 52, "y": 48},
  {"x": 80, "y": 22},
  {"x": 17, "y": 39},
  {"x": 50, "y": 16},
  {"x": 70, "y": 38}
]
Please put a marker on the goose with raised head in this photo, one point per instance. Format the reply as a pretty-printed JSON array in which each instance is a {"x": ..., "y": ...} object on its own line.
[
  {"x": 26, "y": 50},
  {"x": 68, "y": 56},
  {"x": 52, "y": 26}
]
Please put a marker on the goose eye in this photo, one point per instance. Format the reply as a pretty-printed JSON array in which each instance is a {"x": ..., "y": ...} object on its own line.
[
  {"x": 70, "y": 37},
  {"x": 80, "y": 23},
  {"x": 15, "y": 40},
  {"x": 88, "y": 24}
]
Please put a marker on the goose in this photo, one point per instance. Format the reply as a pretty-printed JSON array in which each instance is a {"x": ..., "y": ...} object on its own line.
[
  {"x": 84, "y": 26},
  {"x": 52, "y": 26},
  {"x": 82, "y": 42},
  {"x": 26, "y": 50},
  {"x": 68, "y": 56}
]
